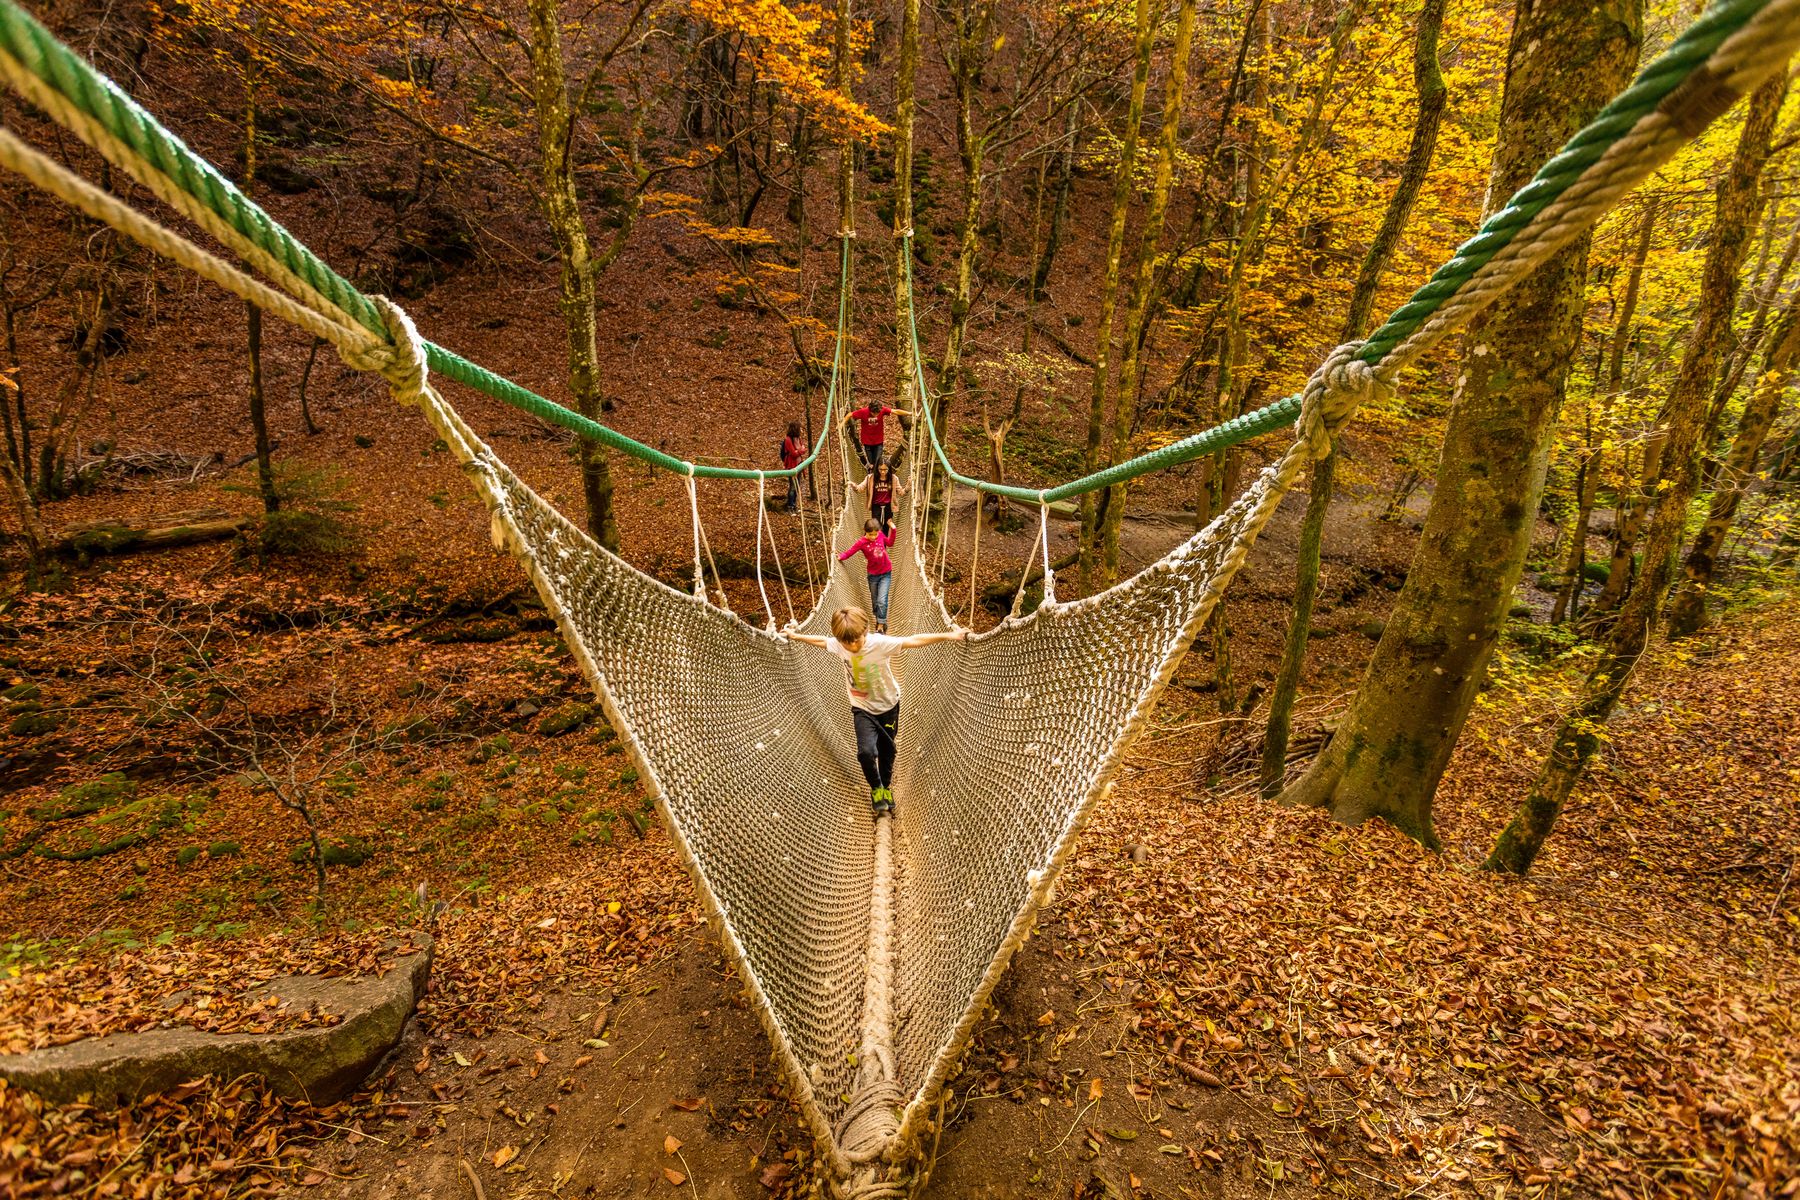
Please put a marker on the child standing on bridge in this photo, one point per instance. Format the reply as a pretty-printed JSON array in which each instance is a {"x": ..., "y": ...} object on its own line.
[
  {"x": 874, "y": 692},
  {"x": 872, "y": 545},
  {"x": 879, "y": 487},
  {"x": 871, "y": 429}
]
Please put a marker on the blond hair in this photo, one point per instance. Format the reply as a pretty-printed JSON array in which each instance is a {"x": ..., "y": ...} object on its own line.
[{"x": 849, "y": 624}]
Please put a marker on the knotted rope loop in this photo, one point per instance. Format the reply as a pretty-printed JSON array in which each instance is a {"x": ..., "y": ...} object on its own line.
[
  {"x": 1342, "y": 384},
  {"x": 869, "y": 1123},
  {"x": 694, "y": 511},
  {"x": 876, "y": 1188},
  {"x": 400, "y": 359}
]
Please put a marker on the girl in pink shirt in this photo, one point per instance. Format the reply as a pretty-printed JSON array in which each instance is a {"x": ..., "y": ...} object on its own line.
[{"x": 872, "y": 545}]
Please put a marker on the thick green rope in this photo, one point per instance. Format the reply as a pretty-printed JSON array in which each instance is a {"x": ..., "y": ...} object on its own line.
[{"x": 46, "y": 57}]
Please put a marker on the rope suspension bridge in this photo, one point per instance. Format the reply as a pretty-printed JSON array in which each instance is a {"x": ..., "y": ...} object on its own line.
[{"x": 871, "y": 944}]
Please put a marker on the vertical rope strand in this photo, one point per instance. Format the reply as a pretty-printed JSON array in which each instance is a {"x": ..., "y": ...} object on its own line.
[
  {"x": 762, "y": 513},
  {"x": 694, "y": 511}
]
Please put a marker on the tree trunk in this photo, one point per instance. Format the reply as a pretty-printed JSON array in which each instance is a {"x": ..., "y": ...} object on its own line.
[
  {"x": 259, "y": 421},
  {"x": 1623, "y": 511},
  {"x": 1059, "y": 210},
  {"x": 846, "y": 181},
  {"x": 120, "y": 535},
  {"x": 1391, "y": 748},
  {"x": 1738, "y": 200},
  {"x": 306, "y": 417},
  {"x": 1740, "y": 354},
  {"x": 1137, "y": 305},
  {"x": 1687, "y": 611},
  {"x": 1429, "y": 80},
  {"x": 1587, "y": 489},
  {"x": 905, "y": 388},
  {"x": 1632, "y": 502},
  {"x": 971, "y": 147},
  {"x": 562, "y": 208},
  {"x": 31, "y": 525},
  {"x": 1109, "y": 286}
]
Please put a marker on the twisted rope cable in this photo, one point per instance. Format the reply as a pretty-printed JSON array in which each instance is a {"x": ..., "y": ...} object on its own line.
[{"x": 50, "y": 176}]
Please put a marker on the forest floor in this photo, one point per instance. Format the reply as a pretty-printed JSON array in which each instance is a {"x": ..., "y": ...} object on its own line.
[{"x": 1227, "y": 998}]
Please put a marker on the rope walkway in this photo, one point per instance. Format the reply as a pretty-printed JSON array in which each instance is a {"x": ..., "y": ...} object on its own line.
[{"x": 871, "y": 946}]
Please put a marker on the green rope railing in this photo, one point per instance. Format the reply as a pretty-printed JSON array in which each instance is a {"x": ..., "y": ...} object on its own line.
[{"x": 48, "y": 59}]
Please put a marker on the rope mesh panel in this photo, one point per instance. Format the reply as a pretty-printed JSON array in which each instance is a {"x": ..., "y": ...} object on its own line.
[{"x": 1005, "y": 742}]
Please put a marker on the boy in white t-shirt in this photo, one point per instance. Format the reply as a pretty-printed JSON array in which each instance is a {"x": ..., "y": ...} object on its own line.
[{"x": 874, "y": 692}]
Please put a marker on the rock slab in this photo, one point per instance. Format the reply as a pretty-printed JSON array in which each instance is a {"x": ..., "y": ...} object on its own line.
[{"x": 321, "y": 1064}]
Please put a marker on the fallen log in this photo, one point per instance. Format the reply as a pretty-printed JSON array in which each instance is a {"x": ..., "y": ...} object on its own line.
[{"x": 119, "y": 535}]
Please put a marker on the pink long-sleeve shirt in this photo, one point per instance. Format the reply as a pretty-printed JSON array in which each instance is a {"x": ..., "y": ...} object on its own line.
[{"x": 873, "y": 547}]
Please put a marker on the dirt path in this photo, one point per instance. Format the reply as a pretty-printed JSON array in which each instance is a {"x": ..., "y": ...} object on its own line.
[{"x": 1042, "y": 1106}]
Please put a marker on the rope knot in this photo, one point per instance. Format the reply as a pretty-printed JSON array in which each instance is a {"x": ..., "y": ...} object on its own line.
[
  {"x": 1341, "y": 384},
  {"x": 869, "y": 1124},
  {"x": 400, "y": 359}
]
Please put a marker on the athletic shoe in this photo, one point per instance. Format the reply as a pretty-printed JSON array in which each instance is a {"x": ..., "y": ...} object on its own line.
[{"x": 883, "y": 800}]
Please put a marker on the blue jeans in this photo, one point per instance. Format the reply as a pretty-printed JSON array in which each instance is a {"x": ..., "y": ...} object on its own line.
[
  {"x": 879, "y": 587},
  {"x": 793, "y": 500}
]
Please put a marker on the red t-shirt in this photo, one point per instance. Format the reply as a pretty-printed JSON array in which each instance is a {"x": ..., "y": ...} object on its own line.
[
  {"x": 791, "y": 453},
  {"x": 881, "y": 493},
  {"x": 871, "y": 423}
]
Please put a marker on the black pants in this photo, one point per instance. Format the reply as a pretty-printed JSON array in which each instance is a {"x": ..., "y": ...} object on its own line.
[
  {"x": 875, "y": 734},
  {"x": 883, "y": 513},
  {"x": 872, "y": 454}
]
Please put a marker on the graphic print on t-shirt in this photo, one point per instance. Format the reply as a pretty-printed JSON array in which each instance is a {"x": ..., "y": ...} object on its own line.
[{"x": 863, "y": 675}]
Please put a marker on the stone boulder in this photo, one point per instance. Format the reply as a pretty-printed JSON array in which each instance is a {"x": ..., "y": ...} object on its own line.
[{"x": 322, "y": 1064}]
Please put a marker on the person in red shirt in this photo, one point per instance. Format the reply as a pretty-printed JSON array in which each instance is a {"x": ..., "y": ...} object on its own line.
[
  {"x": 878, "y": 488},
  {"x": 792, "y": 451},
  {"x": 871, "y": 429},
  {"x": 872, "y": 545}
]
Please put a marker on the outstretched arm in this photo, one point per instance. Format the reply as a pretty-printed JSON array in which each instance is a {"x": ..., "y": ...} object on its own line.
[
  {"x": 931, "y": 639},
  {"x": 808, "y": 639}
]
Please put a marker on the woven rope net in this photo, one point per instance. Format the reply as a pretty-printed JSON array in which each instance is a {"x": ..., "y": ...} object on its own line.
[
  {"x": 871, "y": 945},
  {"x": 745, "y": 738}
]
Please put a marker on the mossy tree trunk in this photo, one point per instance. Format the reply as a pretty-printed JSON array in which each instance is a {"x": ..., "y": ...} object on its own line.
[
  {"x": 579, "y": 303},
  {"x": 1738, "y": 201},
  {"x": 1575, "y": 566},
  {"x": 1393, "y": 744},
  {"x": 259, "y": 418},
  {"x": 1137, "y": 304},
  {"x": 1429, "y": 81},
  {"x": 846, "y": 181},
  {"x": 1687, "y": 611},
  {"x": 905, "y": 387},
  {"x": 1109, "y": 288},
  {"x": 972, "y": 22},
  {"x": 1059, "y": 209}
]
